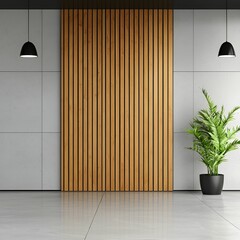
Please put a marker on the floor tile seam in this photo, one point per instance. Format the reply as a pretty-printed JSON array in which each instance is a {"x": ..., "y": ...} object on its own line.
[
  {"x": 213, "y": 210},
  {"x": 94, "y": 217}
]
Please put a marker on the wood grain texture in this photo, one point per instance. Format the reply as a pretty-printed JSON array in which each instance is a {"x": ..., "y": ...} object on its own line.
[
  {"x": 116, "y": 100},
  {"x": 90, "y": 99},
  {"x": 160, "y": 99},
  {"x": 150, "y": 99},
  {"x": 113, "y": 94},
  {"x": 141, "y": 69},
  {"x": 131, "y": 104},
  {"x": 75, "y": 102},
  {"x": 85, "y": 102},
  {"x": 155, "y": 103},
  {"x": 70, "y": 102},
  {"x": 165, "y": 101},
  {"x": 62, "y": 104},
  {"x": 108, "y": 100},
  {"x": 80, "y": 100},
  {"x": 99, "y": 102},
  {"x": 126, "y": 100},
  {"x": 145, "y": 100},
  {"x": 95, "y": 123},
  {"x": 122, "y": 107},
  {"x": 136, "y": 99}
]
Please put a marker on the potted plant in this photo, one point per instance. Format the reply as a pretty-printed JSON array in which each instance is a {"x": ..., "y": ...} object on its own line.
[{"x": 212, "y": 140}]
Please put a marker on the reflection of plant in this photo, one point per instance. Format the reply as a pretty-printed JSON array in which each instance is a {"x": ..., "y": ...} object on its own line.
[{"x": 212, "y": 139}]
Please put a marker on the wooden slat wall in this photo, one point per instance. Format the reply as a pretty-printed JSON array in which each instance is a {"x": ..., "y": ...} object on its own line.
[{"x": 116, "y": 97}]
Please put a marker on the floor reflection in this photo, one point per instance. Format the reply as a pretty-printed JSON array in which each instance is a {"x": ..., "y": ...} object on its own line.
[{"x": 119, "y": 215}]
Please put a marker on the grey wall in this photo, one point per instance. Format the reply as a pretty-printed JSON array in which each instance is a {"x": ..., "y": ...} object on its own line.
[
  {"x": 30, "y": 101},
  {"x": 198, "y": 35}
]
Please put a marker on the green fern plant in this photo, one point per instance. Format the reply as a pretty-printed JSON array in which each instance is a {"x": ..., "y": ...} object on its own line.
[{"x": 212, "y": 139}]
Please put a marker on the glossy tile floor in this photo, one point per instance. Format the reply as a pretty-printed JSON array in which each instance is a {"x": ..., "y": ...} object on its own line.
[{"x": 131, "y": 216}]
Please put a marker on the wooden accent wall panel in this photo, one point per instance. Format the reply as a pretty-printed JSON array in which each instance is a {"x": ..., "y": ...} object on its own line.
[{"x": 116, "y": 98}]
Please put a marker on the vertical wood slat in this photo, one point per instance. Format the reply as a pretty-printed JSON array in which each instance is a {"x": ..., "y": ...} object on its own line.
[
  {"x": 150, "y": 99},
  {"x": 70, "y": 100},
  {"x": 126, "y": 99},
  {"x": 108, "y": 100},
  {"x": 136, "y": 100},
  {"x": 75, "y": 102},
  {"x": 155, "y": 103},
  {"x": 85, "y": 101},
  {"x": 94, "y": 99},
  {"x": 122, "y": 109},
  {"x": 104, "y": 100},
  {"x": 145, "y": 100},
  {"x": 90, "y": 99},
  {"x": 165, "y": 101},
  {"x": 131, "y": 103},
  {"x": 80, "y": 100},
  {"x": 62, "y": 103},
  {"x": 99, "y": 99},
  {"x": 116, "y": 95},
  {"x": 113, "y": 94},
  {"x": 160, "y": 99},
  {"x": 141, "y": 142}
]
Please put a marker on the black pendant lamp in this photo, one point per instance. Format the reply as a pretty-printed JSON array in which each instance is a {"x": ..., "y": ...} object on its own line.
[
  {"x": 28, "y": 49},
  {"x": 226, "y": 49}
]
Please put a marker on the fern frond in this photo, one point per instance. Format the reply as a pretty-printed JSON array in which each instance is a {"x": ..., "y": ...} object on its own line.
[{"x": 212, "y": 140}]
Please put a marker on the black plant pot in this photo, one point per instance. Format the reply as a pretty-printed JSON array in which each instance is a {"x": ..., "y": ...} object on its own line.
[{"x": 211, "y": 185}]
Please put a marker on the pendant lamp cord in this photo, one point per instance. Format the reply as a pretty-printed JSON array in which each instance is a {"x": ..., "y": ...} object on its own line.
[
  {"x": 28, "y": 20},
  {"x": 226, "y": 22}
]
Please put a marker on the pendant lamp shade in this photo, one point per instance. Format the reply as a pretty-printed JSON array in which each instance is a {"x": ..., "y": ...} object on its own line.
[
  {"x": 226, "y": 50},
  {"x": 28, "y": 50}
]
